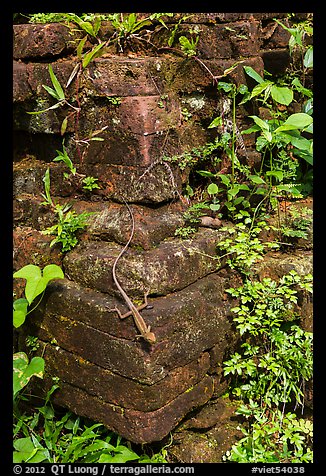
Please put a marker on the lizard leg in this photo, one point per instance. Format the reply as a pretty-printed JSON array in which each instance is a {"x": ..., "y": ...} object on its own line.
[
  {"x": 129, "y": 313},
  {"x": 122, "y": 316}
]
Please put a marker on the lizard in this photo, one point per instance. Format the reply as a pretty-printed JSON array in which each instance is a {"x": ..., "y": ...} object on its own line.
[{"x": 145, "y": 331}]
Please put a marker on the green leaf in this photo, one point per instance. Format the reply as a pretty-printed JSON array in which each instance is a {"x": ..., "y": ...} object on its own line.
[
  {"x": 253, "y": 74},
  {"x": 35, "y": 282},
  {"x": 301, "y": 89},
  {"x": 227, "y": 87},
  {"x": 282, "y": 95},
  {"x": 256, "y": 179},
  {"x": 25, "y": 370},
  {"x": 20, "y": 311},
  {"x": 212, "y": 189},
  {"x": 64, "y": 126},
  {"x": 56, "y": 84},
  {"x": 80, "y": 47},
  {"x": 299, "y": 120},
  {"x": 24, "y": 445},
  {"x": 55, "y": 106},
  {"x": 52, "y": 271},
  {"x": 51, "y": 91},
  {"x": 308, "y": 58},
  {"x": 215, "y": 206},
  {"x": 278, "y": 174},
  {"x": 232, "y": 192},
  {"x": 94, "y": 53},
  {"x": 205, "y": 173},
  {"x": 215, "y": 122},
  {"x": 262, "y": 124},
  {"x": 46, "y": 180},
  {"x": 302, "y": 143},
  {"x": 260, "y": 88}
]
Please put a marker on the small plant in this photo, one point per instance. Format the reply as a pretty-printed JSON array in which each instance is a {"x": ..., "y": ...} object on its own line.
[
  {"x": 36, "y": 283},
  {"x": 186, "y": 114},
  {"x": 90, "y": 183},
  {"x": 272, "y": 438},
  {"x": 114, "y": 100},
  {"x": 68, "y": 221},
  {"x": 297, "y": 223},
  {"x": 185, "y": 232},
  {"x": 188, "y": 47},
  {"x": 243, "y": 246},
  {"x": 63, "y": 156}
]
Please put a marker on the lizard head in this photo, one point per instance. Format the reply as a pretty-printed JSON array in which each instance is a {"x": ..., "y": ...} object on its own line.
[{"x": 150, "y": 337}]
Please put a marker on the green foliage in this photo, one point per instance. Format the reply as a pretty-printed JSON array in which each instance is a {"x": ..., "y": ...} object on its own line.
[
  {"x": 272, "y": 438},
  {"x": 114, "y": 100},
  {"x": 297, "y": 223},
  {"x": 64, "y": 157},
  {"x": 188, "y": 46},
  {"x": 23, "y": 370},
  {"x": 243, "y": 246},
  {"x": 128, "y": 27},
  {"x": 185, "y": 232},
  {"x": 50, "y": 437},
  {"x": 276, "y": 360},
  {"x": 68, "y": 224},
  {"x": 68, "y": 221},
  {"x": 36, "y": 283}
]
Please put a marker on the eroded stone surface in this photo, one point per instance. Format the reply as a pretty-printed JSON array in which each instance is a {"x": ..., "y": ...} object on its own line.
[
  {"x": 185, "y": 323},
  {"x": 172, "y": 265},
  {"x": 136, "y": 426},
  {"x": 119, "y": 390}
]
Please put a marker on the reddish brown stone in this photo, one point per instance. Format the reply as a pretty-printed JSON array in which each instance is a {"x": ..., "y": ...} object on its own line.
[
  {"x": 156, "y": 186},
  {"x": 109, "y": 222},
  {"x": 136, "y": 426},
  {"x": 118, "y": 390},
  {"x": 185, "y": 323},
  {"x": 170, "y": 266},
  {"x": 39, "y": 41}
]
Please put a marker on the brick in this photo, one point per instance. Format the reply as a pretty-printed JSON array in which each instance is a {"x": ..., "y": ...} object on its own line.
[
  {"x": 157, "y": 187},
  {"x": 179, "y": 264},
  {"x": 136, "y": 426},
  {"x": 186, "y": 323},
  {"x": 42, "y": 41},
  {"x": 110, "y": 222},
  {"x": 115, "y": 389}
]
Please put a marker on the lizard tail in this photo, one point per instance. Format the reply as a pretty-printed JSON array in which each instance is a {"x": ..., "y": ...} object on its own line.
[{"x": 130, "y": 237}]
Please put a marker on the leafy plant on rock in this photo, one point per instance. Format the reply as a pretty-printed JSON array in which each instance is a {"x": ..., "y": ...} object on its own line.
[{"x": 271, "y": 369}]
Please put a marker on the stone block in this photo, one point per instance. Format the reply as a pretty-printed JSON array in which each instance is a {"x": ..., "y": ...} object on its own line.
[
  {"x": 186, "y": 323},
  {"x": 42, "y": 41},
  {"x": 172, "y": 265},
  {"x": 276, "y": 61},
  {"x": 158, "y": 185},
  {"x": 136, "y": 426},
  {"x": 109, "y": 222},
  {"x": 118, "y": 390}
]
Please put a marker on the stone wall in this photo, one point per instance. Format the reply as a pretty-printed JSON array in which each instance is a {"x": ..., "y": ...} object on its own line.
[{"x": 106, "y": 372}]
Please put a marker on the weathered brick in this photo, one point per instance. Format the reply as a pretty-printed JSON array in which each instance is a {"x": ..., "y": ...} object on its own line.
[
  {"x": 179, "y": 264},
  {"x": 42, "y": 41},
  {"x": 110, "y": 222},
  {"x": 156, "y": 187},
  {"x": 186, "y": 323},
  {"x": 136, "y": 426},
  {"x": 104, "y": 384}
]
